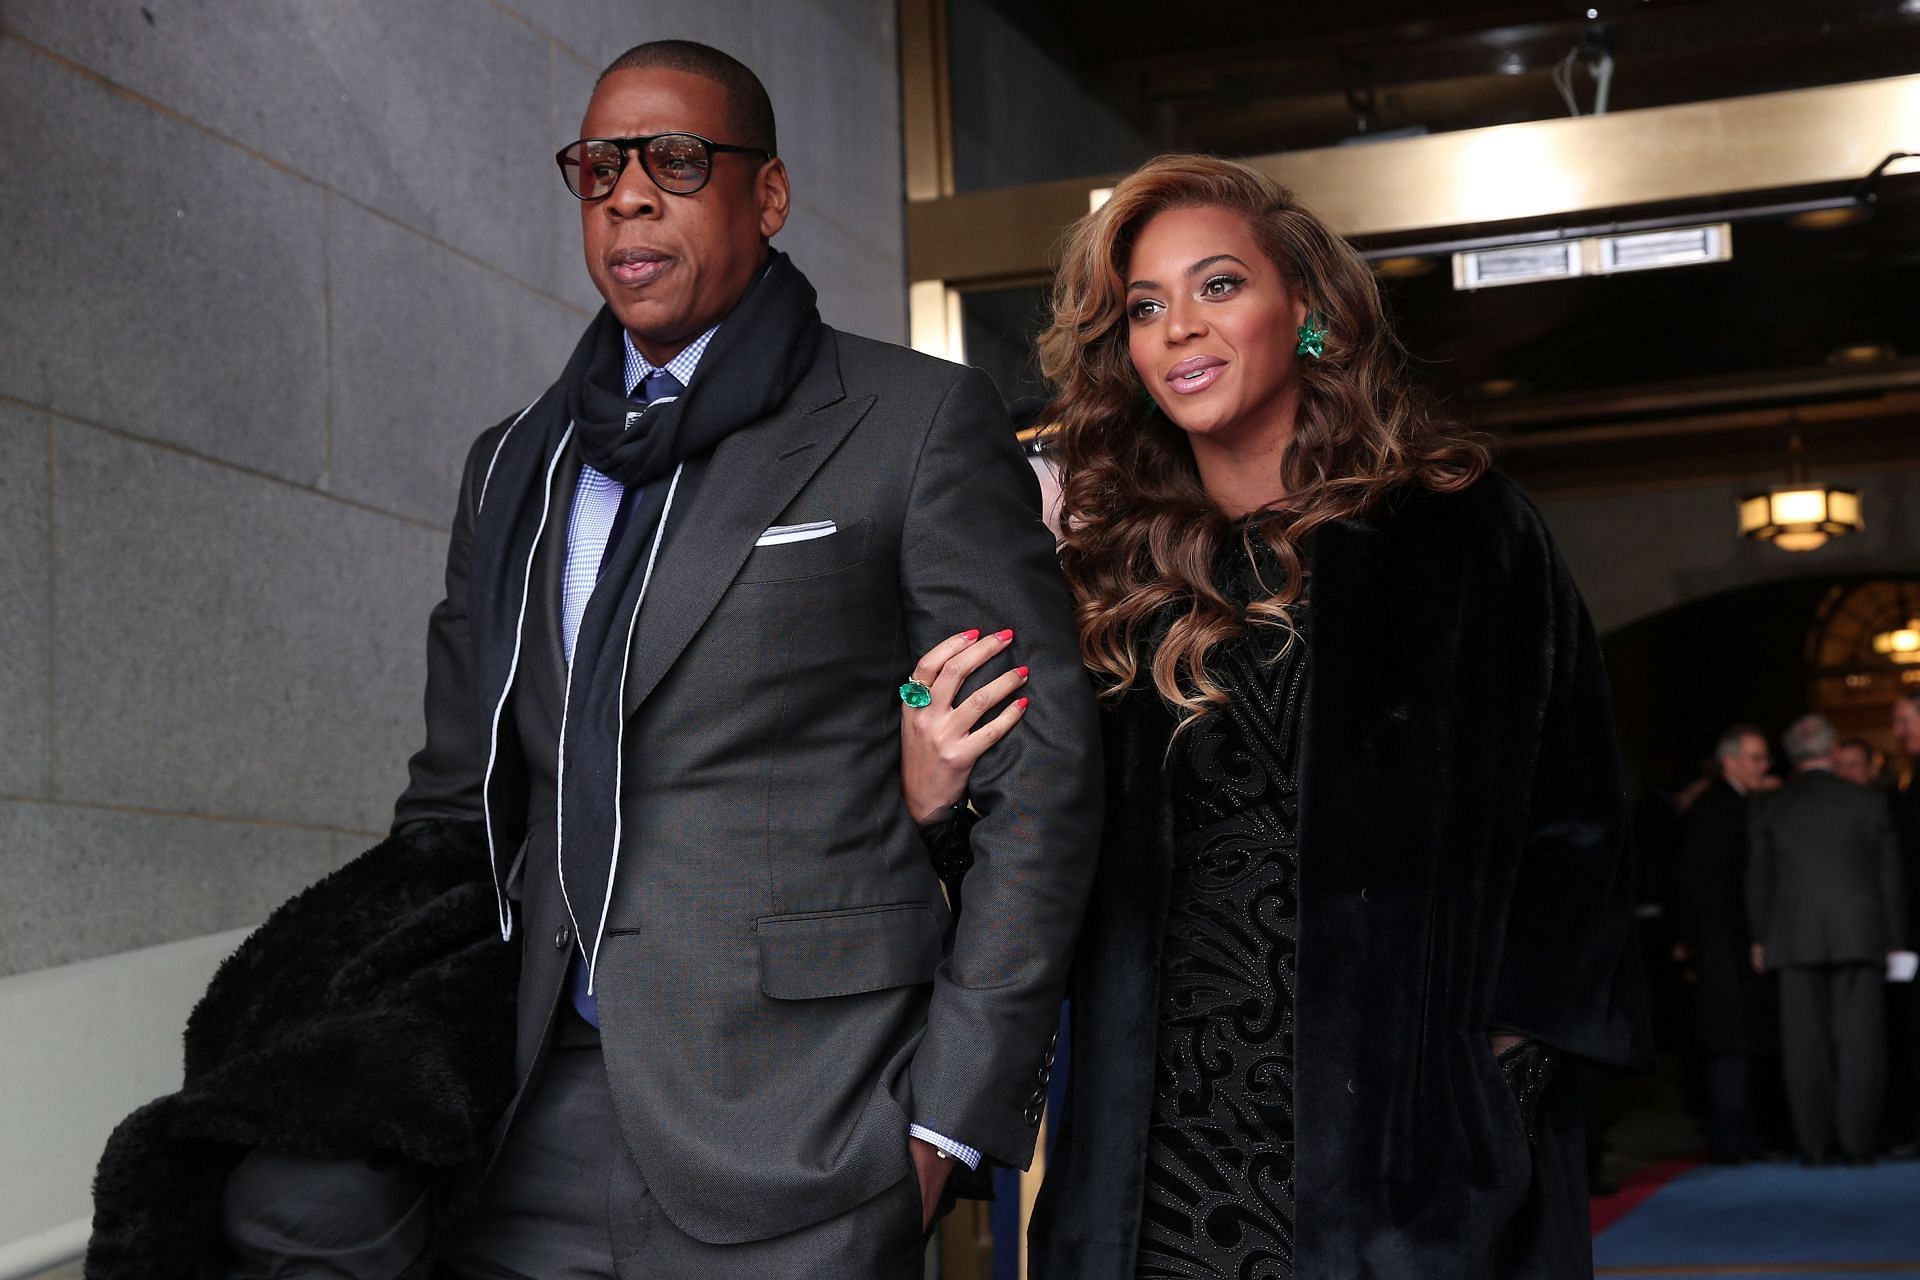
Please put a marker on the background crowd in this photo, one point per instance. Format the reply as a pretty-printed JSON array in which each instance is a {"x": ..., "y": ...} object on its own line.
[{"x": 1785, "y": 892}]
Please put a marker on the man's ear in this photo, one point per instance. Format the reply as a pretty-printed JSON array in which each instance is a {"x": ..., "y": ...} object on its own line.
[{"x": 774, "y": 196}]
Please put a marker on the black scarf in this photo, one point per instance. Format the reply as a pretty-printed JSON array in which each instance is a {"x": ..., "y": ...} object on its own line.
[{"x": 762, "y": 350}]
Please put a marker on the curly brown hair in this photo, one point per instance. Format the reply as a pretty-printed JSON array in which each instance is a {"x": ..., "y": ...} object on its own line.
[{"x": 1139, "y": 536}]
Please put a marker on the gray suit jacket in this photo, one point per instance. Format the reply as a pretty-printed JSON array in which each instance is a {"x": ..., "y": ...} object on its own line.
[
  {"x": 776, "y": 1002},
  {"x": 1823, "y": 878}
]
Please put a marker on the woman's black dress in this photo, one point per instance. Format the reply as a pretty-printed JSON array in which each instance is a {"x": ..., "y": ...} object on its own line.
[{"x": 1219, "y": 1188}]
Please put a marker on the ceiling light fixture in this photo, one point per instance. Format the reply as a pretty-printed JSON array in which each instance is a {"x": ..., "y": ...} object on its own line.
[
  {"x": 1901, "y": 644},
  {"x": 1596, "y": 255},
  {"x": 1800, "y": 516},
  {"x": 1830, "y": 219},
  {"x": 1862, "y": 353},
  {"x": 1405, "y": 267}
]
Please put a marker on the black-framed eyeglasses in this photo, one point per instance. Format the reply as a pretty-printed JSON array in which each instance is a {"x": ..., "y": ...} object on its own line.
[{"x": 677, "y": 162}]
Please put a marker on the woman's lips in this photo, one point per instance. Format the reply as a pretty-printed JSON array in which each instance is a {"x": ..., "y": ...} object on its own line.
[{"x": 1192, "y": 376}]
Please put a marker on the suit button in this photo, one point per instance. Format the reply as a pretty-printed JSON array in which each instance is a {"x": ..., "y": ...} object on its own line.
[
  {"x": 1366, "y": 895},
  {"x": 1031, "y": 1115},
  {"x": 1046, "y": 1074},
  {"x": 1352, "y": 1087},
  {"x": 562, "y": 938},
  {"x": 1053, "y": 1041}
]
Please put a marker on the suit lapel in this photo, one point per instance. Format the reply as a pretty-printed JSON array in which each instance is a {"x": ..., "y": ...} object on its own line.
[{"x": 752, "y": 477}]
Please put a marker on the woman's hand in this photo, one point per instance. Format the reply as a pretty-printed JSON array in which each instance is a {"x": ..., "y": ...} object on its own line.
[{"x": 939, "y": 743}]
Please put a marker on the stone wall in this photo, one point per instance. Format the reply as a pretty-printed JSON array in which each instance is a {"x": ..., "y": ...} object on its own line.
[{"x": 1636, "y": 554}]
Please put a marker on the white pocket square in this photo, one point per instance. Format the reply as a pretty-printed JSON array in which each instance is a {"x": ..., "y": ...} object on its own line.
[{"x": 781, "y": 534}]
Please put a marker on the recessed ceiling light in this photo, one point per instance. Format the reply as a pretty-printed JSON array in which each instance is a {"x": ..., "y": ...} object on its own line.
[
  {"x": 1845, "y": 215},
  {"x": 1402, "y": 268},
  {"x": 1592, "y": 14},
  {"x": 1862, "y": 353}
]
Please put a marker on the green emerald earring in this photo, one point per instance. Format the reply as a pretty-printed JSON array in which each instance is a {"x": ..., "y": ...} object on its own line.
[{"x": 1313, "y": 336}]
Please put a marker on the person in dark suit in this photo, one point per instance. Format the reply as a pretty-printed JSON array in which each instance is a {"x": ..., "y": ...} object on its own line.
[
  {"x": 1827, "y": 903},
  {"x": 1903, "y": 998},
  {"x": 1734, "y": 1007},
  {"x": 1855, "y": 760},
  {"x": 1363, "y": 911},
  {"x": 683, "y": 588}
]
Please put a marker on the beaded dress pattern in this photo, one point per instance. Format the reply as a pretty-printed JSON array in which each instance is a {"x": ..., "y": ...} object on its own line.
[{"x": 1220, "y": 1193}]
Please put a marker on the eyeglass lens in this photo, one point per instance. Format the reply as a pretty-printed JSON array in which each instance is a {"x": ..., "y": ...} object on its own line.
[{"x": 678, "y": 162}]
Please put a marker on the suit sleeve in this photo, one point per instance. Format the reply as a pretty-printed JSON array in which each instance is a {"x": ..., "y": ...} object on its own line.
[
  {"x": 1570, "y": 973},
  {"x": 1760, "y": 871},
  {"x": 445, "y": 775},
  {"x": 975, "y": 554}
]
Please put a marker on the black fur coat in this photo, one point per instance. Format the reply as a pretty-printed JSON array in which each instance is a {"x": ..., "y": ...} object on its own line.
[
  {"x": 372, "y": 1015},
  {"x": 1462, "y": 868}
]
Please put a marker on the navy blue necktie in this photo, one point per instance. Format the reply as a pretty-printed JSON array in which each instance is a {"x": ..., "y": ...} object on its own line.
[{"x": 658, "y": 385}]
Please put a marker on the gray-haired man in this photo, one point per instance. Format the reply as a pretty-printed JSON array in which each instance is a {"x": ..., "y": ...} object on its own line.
[{"x": 1824, "y": 891}]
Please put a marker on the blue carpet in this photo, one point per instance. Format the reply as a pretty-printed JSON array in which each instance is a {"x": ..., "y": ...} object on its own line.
[{"x": 1767, "y": 1216}]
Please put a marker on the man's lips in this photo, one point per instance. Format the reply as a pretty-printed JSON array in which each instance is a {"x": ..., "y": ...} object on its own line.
[
  {"x": 636, "y": 268},
  {"x": 1195, "y": 374}
]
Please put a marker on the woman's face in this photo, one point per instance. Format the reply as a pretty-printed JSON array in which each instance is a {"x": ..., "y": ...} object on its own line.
[{"x": 1211, "y": 325}]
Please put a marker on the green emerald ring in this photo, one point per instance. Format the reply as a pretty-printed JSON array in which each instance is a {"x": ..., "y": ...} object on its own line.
[{"x": 915, "y": 694}]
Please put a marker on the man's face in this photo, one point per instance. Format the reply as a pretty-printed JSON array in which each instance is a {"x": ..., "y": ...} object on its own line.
[
  {"x": 1906, "y": 725},
  {"x": 672, "y": 266},
  {"x": 1854, "y": 763},
  {"x": 1747, "y": 767}
]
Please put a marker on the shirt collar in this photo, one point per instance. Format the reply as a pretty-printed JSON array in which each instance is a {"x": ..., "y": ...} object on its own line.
[{"x": 639, "y": 368}]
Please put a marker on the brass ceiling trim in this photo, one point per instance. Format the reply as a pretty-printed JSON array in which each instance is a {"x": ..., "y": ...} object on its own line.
[{"x": 1539, "y": 169}]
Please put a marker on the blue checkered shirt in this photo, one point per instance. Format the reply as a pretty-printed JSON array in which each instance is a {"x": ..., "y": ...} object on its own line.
[{"x": 596, "y": 501}]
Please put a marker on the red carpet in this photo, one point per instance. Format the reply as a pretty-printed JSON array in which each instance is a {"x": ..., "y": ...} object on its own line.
[{"x": 1609, "y": 1209}]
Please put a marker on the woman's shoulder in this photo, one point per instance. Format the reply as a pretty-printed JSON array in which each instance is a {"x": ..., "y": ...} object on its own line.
[{"x": 1491, "y": 511}]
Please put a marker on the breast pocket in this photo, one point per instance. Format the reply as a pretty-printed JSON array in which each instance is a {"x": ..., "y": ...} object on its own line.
[{"x": 790, "y": 560}]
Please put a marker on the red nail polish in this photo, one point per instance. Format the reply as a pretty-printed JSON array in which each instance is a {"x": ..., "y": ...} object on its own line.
[
  {"x": 1005, "y": 635},
  {"x": 1023, "y": 673},
  {"x": 1021, "y": 702},
  {"x": 973, "y": 635}
]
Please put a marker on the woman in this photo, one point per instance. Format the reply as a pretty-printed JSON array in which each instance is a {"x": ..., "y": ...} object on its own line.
[{"x": 1364, "y": 878}]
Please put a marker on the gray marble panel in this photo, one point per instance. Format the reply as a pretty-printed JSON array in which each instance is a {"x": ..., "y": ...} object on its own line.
[
  {"x": 231, "y": 646},
  {"x": 836, "y": 93},
  {"x": 84, "y": 882},
  {"x": 25, "y": 653},
  {"x": 595, "y": 32},
  {"x": 428, "y": 350},
  {"x": 425, "y": 110},
  {"x": 157, "y": 280},
  {"x": 860, "y": 290}
]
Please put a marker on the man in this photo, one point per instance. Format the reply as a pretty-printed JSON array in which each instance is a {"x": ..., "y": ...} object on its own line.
[
  {"x": 1733, "y": 1016},
  {"x": 1824, "y": 891},
  {"x": 1856, "y": 761},
  {"x": 683, "y": 588},
  {"x": 1903, "y": 998}
]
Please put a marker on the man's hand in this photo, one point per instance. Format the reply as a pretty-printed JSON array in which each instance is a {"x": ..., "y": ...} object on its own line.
[
  {"x": 933, "y": 1169},
  {"x": 1758, "y": 954}
]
